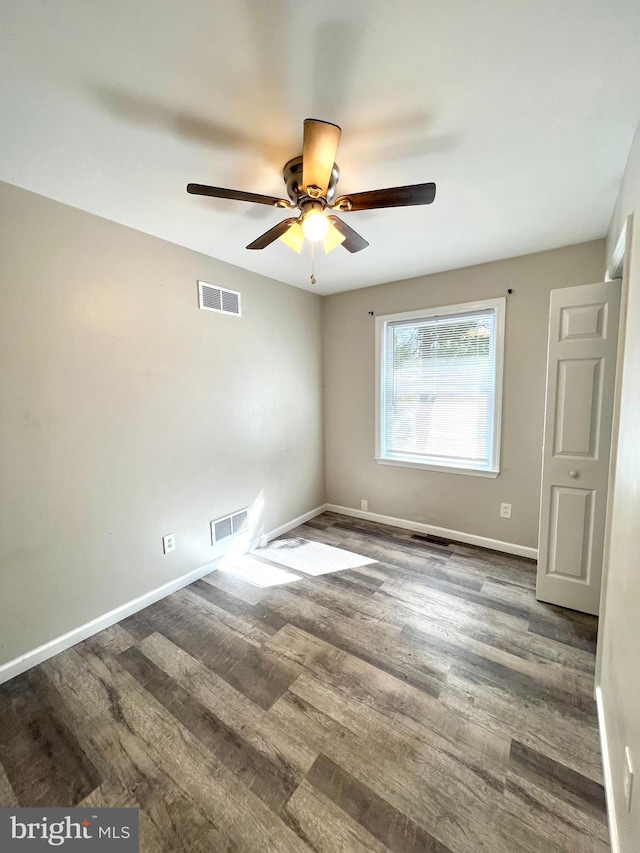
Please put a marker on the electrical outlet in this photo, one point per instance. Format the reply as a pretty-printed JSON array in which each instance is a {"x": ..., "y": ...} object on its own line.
[
  {"x": 628, "y": 777},
  {"x": 505, "y": 510},
  {"x": 169, "y": 542},
  {"x": 364, "y": 505}
]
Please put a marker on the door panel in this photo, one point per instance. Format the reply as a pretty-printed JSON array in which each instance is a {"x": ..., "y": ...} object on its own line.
[
  {"x": 578, "y": 407},
  {"x": 583, "y": 333},
  {"x": 583, "y": 321},
  {"x": 571, "y": 540}
]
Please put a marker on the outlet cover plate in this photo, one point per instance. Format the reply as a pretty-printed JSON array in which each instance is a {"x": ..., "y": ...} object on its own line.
[
  {"x": 169, "y": 542},
  {"x": 505, "y": 510}
]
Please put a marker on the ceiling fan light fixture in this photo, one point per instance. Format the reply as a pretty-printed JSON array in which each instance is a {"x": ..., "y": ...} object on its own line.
[
  {"x": 311, "y": 181},
  {"x": 293, "y": 237},
  {"x": 315, "y": 225},
  {"x": 333, "y": 239}
]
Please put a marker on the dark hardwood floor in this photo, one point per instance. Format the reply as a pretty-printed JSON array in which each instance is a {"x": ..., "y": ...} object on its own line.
[{"x": 422, "y": 702}]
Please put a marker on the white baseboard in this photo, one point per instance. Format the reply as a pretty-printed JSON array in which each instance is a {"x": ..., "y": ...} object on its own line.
[
  {"x": 442, "y": 532},
  {"x": 285, "y": 528},
  {"x": 614, "y": 838},
  {"x": 77, "y": 635}
]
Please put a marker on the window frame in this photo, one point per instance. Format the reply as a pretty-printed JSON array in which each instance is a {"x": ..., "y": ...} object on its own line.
[{"x": 499, "y": 306}]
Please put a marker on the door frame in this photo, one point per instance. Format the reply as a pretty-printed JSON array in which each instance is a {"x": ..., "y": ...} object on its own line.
[{"x": 618, "y": 268}]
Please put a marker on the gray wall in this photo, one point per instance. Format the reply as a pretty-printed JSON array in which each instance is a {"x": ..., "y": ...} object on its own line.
[
  {"x": 454, "y": 501},
  {"x": 127, "y": 413},
  {"x": 619, "y": 643}
]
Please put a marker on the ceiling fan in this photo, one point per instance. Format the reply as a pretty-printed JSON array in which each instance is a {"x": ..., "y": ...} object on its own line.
[{"x": 311, "y": 186}]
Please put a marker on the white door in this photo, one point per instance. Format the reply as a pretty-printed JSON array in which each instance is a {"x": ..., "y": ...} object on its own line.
[{"x": 581, "y": 366}]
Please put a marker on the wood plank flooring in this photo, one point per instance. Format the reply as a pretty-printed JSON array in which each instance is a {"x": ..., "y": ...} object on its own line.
[{"x": 423, "y": 703}]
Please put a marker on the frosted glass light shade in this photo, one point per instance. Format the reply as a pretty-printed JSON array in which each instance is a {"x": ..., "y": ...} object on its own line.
[
  {"x": 293, "y": 237},
  {"x": 315, "y": 225},
  {"x": 333, "y": 239}
]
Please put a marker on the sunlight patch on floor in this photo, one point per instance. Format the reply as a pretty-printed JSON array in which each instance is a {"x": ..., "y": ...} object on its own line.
[
  {"x": 311, "y": 558},
  {"x": 248, "y": 568}
]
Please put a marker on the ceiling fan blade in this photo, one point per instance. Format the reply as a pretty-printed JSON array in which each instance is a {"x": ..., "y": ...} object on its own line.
[
  {"x": 353, "y": 242},
  {"x": 391, "y": 197},
  {"x": 272, "y": 234},
  {"x": 320, "y": 145},
  {"x": 237, "y": 195}
]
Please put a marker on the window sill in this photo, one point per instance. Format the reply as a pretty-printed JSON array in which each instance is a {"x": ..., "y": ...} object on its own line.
[{"x": 443, "y": 469}]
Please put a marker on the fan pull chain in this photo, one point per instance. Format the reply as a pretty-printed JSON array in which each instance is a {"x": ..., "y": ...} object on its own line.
[{"x": 313, "y": 258}]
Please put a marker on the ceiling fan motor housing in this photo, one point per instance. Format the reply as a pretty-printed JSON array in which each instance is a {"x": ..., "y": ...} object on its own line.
[{"x": 292, "y": 174}]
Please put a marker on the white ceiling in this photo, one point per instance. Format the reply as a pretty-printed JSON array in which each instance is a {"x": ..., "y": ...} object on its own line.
[{"x": 521, "y": 112}]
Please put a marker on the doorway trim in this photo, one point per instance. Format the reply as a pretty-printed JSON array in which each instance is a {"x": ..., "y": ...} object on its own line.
[{"x": 618, "y": 268}]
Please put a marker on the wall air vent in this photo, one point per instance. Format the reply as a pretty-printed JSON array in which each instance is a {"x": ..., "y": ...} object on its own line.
[
  {"x": 240, "y": 521},
  {"x": 218, "y": 299},
  {"x": 230, "y": 525},
  {"x": 221, "y": 529}
]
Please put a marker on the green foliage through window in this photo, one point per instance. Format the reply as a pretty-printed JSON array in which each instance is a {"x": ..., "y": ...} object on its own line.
[{"x": 470, "y": 338}]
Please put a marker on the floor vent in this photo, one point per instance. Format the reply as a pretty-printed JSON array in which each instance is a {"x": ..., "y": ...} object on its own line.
[
  {"x": 218, "y": 299},
  {"x": 230, "y": 525}
]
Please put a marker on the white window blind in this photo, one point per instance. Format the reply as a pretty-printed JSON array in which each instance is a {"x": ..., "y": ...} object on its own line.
[{"x": 438, "y": 401}]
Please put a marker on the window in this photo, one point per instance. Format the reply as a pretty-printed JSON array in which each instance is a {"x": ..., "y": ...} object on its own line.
[{"x": 439, "y": 388}]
